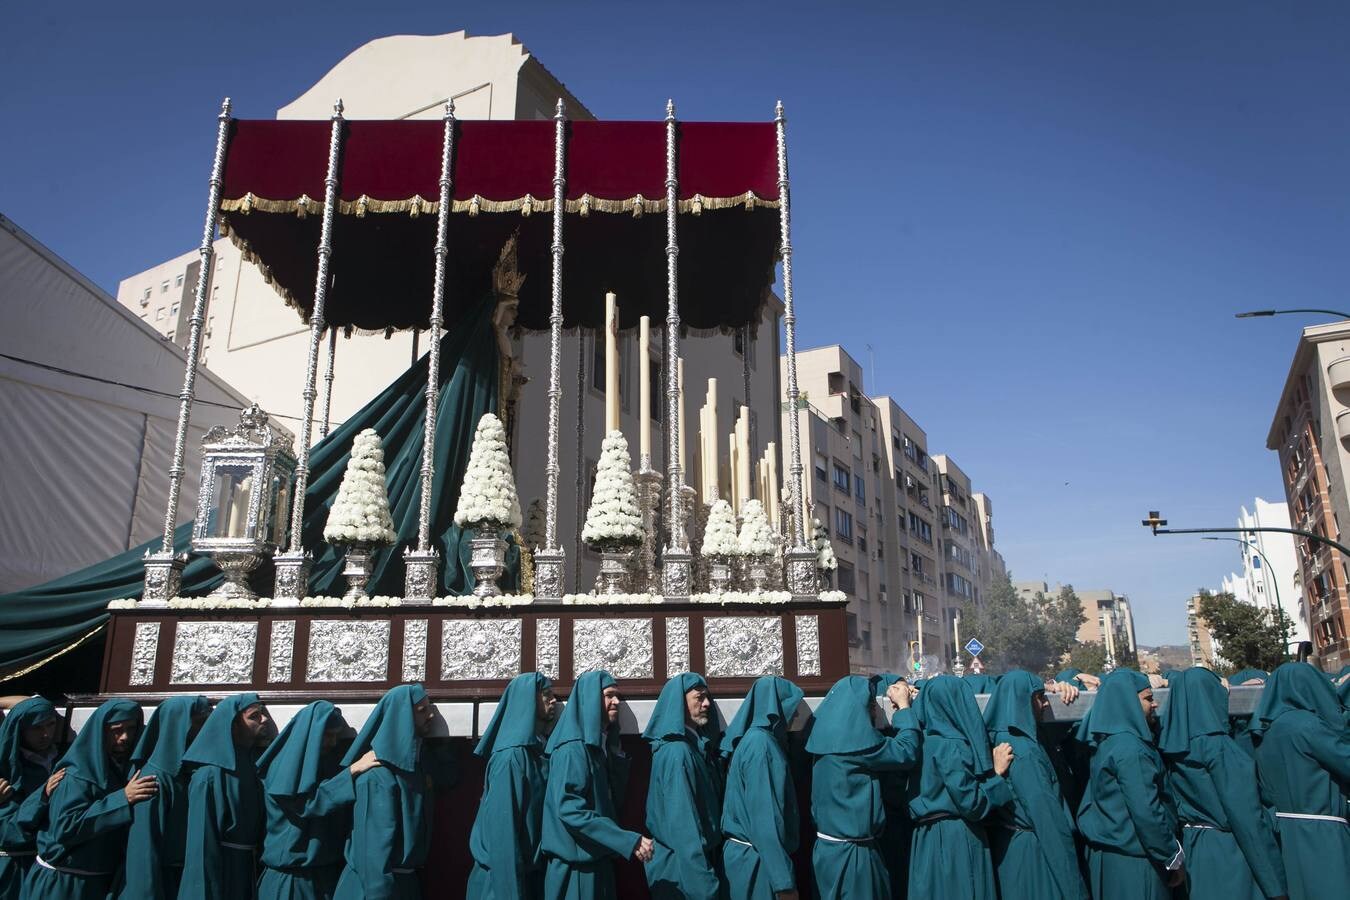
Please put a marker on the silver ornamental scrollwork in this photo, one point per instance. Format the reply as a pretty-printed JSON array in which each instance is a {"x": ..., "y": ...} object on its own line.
[
  {"x": 808, "y": 645},
  {"x": 742, "y": 646},
  {"x": 144, "y": 651},
  {"x": 348, "y": 651},
  {"x": 214, "y": 652},
  {"x": 548, "y": 575},
  {"x": 281, "y": 651},
  {"x": 622, "y": 647},
  {"x": 546, "y": 645},
  {"x": 677, "y": 645},
  {"x": 473, "y": 649},
  {"x": 415, "y": 650}
]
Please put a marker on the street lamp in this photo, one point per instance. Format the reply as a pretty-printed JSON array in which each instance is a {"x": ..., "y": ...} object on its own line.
[
  {"x": 1248, "y": 544},
  {"x": 1261, "y": 313},
  {"x": 1157, "y": 523}
]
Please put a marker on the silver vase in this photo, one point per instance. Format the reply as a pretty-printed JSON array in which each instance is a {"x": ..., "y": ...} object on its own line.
[
  {"x": 719, "y": 575},
  {"x": 487, "y": 560},
  {"x": 757, "y": 573},
  {"x": 359, "y": 558},
  {"x": 614, "y": 572}
]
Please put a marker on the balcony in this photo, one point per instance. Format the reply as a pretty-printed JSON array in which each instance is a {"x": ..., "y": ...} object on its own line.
[
  {"x": 1343, "y": 426},
  {"x": 1338, "y": 374}
]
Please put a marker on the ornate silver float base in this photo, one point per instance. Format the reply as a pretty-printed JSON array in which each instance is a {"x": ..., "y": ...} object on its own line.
[
  {"x": 292, "y": 581},
  {"x": 959, "y": 668},
  {"x": 549, "y": 567},
  {"x": 420, "y": 581},
  {"x": 719, "y": 575},
  {"x": 757, "y": 573},
  {"x": 236, "y": 564},
  {"x": 803, "y": 581},
  {"x": 357, "y": 569},
  {"x": 644, "y": 575},
  {"x": 163, "y": 578},
  {"x": 677, "y": 574},
  {"x": 487, "y": 560},
  {"x": 613, "y": 577}
]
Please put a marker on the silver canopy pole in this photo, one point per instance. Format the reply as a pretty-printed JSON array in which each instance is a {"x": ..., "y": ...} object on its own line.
[
  {"x": 676, "y": 561},
  {"x": 328, "y": 384}
]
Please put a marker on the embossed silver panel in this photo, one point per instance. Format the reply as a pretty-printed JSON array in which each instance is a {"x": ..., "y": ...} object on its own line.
[
  {"x": 144, "y": 650},
  {"x": 474, "y": 648},
  {"x": 677, "y": 645},
  {"x": 622, "y": 647},
  {"x": 808, "y": 645},
  {"x": 742, "y": 646},
  {"x": 214, "y": 652},
  {"x": 348, "y": 651},
  {"x": 415, "y": 650},
  {"x": 282, "y": 651},
  {"x": 546, "y": 644}
]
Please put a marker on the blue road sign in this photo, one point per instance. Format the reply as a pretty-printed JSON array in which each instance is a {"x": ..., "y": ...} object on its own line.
[{"x": 974, "y": 647}]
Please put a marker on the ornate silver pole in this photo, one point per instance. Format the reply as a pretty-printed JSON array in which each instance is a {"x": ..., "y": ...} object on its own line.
[
  {"x": 549, "y": 563},
  {"x": 164, "y": 570},
  {"x": 676, "y": 561},
  {"x": 801, "y": 560},
  {"x": 328, "y": 384},
  {"x": 292, "y": 567},
  {"x": 420, "y": 580}
]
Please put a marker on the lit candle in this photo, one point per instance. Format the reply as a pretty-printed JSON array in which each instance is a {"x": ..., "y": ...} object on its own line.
[
  {"x": 679, "y": 420},
  {"x": 743, "y": 456},
  {"x": 644, "y": 393},
  {"x": 611, "y": 364}
]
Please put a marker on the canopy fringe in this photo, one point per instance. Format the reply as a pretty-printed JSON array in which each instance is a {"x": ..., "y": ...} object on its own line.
[
  {"x": 415, "y": 206},
  {"x": 33, "y": 667}
]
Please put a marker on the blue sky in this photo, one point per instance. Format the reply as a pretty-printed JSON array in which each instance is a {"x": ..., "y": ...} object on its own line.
[{"x": 1041, "y": 216}]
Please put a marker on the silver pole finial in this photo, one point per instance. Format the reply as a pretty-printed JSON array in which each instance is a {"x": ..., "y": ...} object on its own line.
[
  {"x": 450, "y": 108},
  {"x": 778, "y": 111},
  {"x": 337, "y": 109},
  {"x": 225, "y": 108},
  {"x": 561, "y": 109},
  {"x": 670, "y": 108}
]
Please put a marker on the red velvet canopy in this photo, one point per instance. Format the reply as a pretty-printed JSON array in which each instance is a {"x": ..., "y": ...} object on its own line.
[{"x": 614, "y": 231}]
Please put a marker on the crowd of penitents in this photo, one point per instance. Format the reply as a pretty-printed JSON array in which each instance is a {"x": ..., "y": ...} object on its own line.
[{"x": 928, "y": 799}]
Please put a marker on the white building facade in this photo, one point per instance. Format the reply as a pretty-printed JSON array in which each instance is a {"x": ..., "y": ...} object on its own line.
[{"x": 1269, "y": 577}]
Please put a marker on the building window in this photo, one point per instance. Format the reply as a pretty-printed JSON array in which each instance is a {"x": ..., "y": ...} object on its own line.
[
  {"x": 858, "y": 490},
  {"x": 841, "y": 478},
  {"x": 843, "y": 525},
  {"x": 916, "y": 564},
  {"x": 844, "y": 577},
  {"x": 178, "y": 282},
  {"x": 164, "y": 287},
  {"x": 820, "y": 469},
  {"x": 159, "y": 314},
  {"x": 173, "y": 310},
  {"x": 836, "y": 381},
  {"x": 145, "y": 297},
  {"x": 920, "y": 529},
  {"x": 960, "y": 587}
]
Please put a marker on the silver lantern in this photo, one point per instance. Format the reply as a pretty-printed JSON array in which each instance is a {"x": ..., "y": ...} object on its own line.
[{"x": 243, "y": 501}]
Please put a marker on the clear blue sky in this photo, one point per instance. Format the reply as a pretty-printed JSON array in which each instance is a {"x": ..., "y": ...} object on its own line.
[{"x": 1041, "y": 216}]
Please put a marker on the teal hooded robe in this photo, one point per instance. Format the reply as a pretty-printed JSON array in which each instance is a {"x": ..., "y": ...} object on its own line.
[
  {"x": 308, "y": 796},
  {"x": 1213, "y": 784},
  {"x": 1240, "y": 726},
  {"x": 391, "y": 834},
  {"x": 1031, "y": 839},
  {"x": 154, "y": 864},
  {"x": 81, "y": 847},
  {"x": 504, "y": 841},
  {"x": 684, "y": 803},
  {"x": 27, "y": 773},
  {"x": 581, "y": 835},
  {"x": 1125, "y": 815},
  {"x": 953, "y": 791},
  {"x": 225, "y": 810},
  {"x": 1303, "y": 762},
  {"x": 759, "y": 811},
  {"x": 895, "y": 795},
  {"x": 846, "y": 789}
]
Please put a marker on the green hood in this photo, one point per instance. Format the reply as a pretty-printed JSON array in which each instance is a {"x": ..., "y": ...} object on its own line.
[
  {"x": 580, "y": 720},
  {"x": 391, "y": 730},
  {"x": 165, "y": 738},
  {"x": 513, "y": 723},
  {"x": 1009, "y": 708},
  {"x": 292, "y": 765},
  {"x": 1197, "y": 704},
  {"x": 1116, "y": 709},
  {"x": 1297, "y": 685},
  {"x": 843, "y": 721}
]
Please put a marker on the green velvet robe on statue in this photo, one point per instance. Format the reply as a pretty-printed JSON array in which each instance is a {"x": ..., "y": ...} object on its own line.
[
  {"x": 1303, "y": 761},
  {"x": 27, "y": 774},
  {"x": 846, "y": 790},
  {"x": 759, "y": 810}
]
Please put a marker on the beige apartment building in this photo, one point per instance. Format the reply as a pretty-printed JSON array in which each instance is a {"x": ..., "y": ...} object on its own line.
[
  {"x": 1204, "y": 650},
  {"x": 260, "y": 345},
  {"x": 1310, "y": 432},
  {"x": 1108, "y": 619}
]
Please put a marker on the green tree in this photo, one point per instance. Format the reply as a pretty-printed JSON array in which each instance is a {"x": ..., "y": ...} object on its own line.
[
  {"x": 1088, "y": 657},
  {"x": 1248, "y": 636},
  {"x": 1024, "y": 634}
]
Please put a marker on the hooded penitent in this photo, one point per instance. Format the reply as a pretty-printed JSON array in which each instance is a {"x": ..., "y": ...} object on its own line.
[
  {"x": 505, "y": 836},
  {"x": 27, "y": 774},
  {"x": 684, "y": 803},
  {"x": 1303, "y": 762}
]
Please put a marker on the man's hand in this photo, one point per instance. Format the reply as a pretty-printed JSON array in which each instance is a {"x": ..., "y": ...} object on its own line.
[
  {"x": 643, "y": 851},
  {"x": 1177, "y": 877},
  {"x": 54, "y": 780},
  {"x": 6, "y": 791},
  {"x": 898, "y": 694},
  {"x": 1091, "y": 682},
  {"x": 141, "y": 788},
  {"x": 364, "y": 764},
  {"x": 1067, "y": 692},
  {"x": 1003, "y": 757}
]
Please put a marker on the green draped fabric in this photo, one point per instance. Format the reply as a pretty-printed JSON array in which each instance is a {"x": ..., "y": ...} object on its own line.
[
  {"x": 39, "y": 622},
  {"x": 27, "y": 774}
]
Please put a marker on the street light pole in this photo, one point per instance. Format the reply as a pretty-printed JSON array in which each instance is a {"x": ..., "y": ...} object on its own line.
[
  {"x": 1273, "y": 579},
  {"x": 1156, "y": 523},
  {"x": 1261, "y": 313}
]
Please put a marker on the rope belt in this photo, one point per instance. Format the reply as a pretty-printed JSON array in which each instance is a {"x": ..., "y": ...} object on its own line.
[
  {"x": 66, "y": 870},
  {"x": 1202, "y": 826},
  {"x": 249, "y": 847},
  {"x": 843, "y": 840},
  {"x": 935, "y": 817},
  {"x": 736, "y": 840},
  {"x": 17, "y": 854},
  {"x": 1312, "y": 817}
]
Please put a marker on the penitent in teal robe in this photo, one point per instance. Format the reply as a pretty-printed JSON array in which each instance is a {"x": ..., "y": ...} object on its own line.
[
  {"x": 27, "y": 774},
  {"x": 85, "y": 837},
  {"x": 225, "y": 810},
  {"x": 953, "y": 791},
  {"x": 1125, "y": 815},
  {"x": 759, "y": 811},
  {"x": 581, "y": 835},
  {"x": 846, "y": 789},
  {"x": 684, "y": 806},
  {"x": 1303, "y": 761},
  {"x": 504, "y": 841}
]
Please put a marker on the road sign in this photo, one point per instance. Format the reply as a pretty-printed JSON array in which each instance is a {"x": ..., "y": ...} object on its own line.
[{"x": 974, "y": 647}]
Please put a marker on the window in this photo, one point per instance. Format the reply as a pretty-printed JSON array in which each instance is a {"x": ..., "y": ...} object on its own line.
[
  {"x": 145, "y": 297},
  {"x": 159, "y": 314},
  {"x": 820, "y": 469},
  {"x": 862, "y": 539},
  {"x": 164, "y": 287},
  {"x": 841, "y": 477},
  {"x": 173, "y": 310},
  {"x": 960, "y": 555},
  {"x": 959, "y": 586},
  {"x": 916, "y": 564},
  {"x": 920, "y": 529},
  {"x": 836, "y": 380},
  {"x": 954, "y": 520},
  {"x": 858, "y": 490},
  {"x": 844, "y": 575},
  {"x": 843, "y": 525},
  {"x": 178, "y": 282}
]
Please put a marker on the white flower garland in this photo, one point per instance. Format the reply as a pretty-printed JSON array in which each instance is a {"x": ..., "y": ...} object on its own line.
[
  {"x": 472, "y": 602},
  {"x": 743, "y": 597},
  {"x": 757, "y": 537},
  {"x": 719, "y": 535},
  {"x": 487, "y": 498},
  {"x": 610, "y": 599},
  {"x": 360, "y": 514},
  {"x": 614, "y": 519},
  {"x": 832, "y": 596}
]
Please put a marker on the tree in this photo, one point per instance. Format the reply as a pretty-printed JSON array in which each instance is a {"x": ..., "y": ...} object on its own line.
[
  {"x": 1088, "y": 657},
  {"x": 1248, "y": 636},
  {"x": 1024, "y": 634}
]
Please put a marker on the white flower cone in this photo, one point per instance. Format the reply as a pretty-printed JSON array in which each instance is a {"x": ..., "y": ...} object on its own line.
[
  {"x": 488, "y": 495},
  {"x": 719, "y": 537},
  {"x": 360, "y": 514},
  {"x": 757, "y": 537},
  {"x": 614, "y": 519}
]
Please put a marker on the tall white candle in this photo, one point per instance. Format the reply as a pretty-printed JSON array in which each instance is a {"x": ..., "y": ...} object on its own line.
[
  {"x": 956, "y": 631},
  {"x": 679, "y": 420},
  {"x": 644, "y": 392},
  {"x": 743, "y": 455},
  {"x": 611, "y": 364},
  {"x": 712, "y": 490},
  {"x": 732, "y": 450}
]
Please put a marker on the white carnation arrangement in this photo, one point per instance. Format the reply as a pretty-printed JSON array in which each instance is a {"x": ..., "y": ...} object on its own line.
[
  {"x": 833, "y": 596},
  {"x": 360, "y": 514},
  {"x": 350, "y": 602},
  {"x": 825, "y": 560},
  {"x": 719, "y": 537},
  {"x": 614, "y": 520},
  {"x": 610, "y": 599},
  {"x": 743, "y": 597},
  {"x": 487, "y": 499},
  {"x": 534, "y": 524},
  {"x": 472, "y": 602},
  {"x": 757, "y": 536}
]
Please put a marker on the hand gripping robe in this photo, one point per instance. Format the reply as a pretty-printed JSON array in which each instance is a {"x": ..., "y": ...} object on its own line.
[
  {"x": 1230, "y": 847},
  {"x": 81, "y": 847},
  {"x": 1303, "y": 761},
  {"x": 684, "y": 806},
  {"x": 581, "y": 836},
  {"x": 846, "y": 788},
  {"x": 953, "y": 791},
  {"x": 759, "y": 812},
  {"x": 1125, "y": 815},
  {"x": 308, "y": 796},
  {"x": 504, "y": 841},
  {"x": 225, "y": 810},
  {"x": 391, "y": 830},
  {"x": 27, "y": 773},
  {"x": 1031, "y": 839},
  {"x": 154, "y": 863}
]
